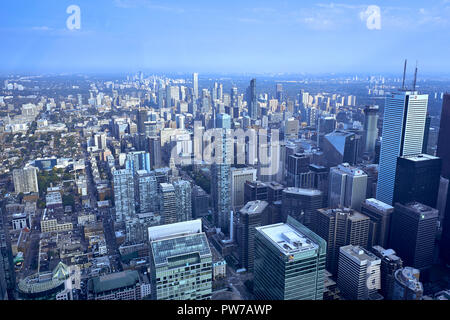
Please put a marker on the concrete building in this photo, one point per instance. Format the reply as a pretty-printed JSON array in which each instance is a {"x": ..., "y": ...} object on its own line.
[
  {"x": 25, "y": 180},
  {"x": 238, "y": 179},
  {"x": 359, "y": 275},
  {"x": 348, "y": 187},
  {"x": 379, "y": 214}
]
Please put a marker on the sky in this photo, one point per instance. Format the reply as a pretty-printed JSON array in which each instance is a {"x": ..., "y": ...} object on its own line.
[{"x": 254, "y": 36}]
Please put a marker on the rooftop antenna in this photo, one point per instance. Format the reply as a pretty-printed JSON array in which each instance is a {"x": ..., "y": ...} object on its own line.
[
  {"x": 415, "y": 79},
  {"x": 404, "y": 75}
]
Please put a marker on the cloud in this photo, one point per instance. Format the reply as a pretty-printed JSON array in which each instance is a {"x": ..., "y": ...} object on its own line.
[{"x": 132, "y": 4}]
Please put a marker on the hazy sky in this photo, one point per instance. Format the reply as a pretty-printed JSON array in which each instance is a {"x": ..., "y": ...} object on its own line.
[{"x": 224, "y": 36}]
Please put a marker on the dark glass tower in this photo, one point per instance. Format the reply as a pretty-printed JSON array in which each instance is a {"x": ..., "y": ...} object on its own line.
[
  {"x": 251, "y": 100},
  {"x": 417, "y": 179},
  {"x": 443, "y": 151}
]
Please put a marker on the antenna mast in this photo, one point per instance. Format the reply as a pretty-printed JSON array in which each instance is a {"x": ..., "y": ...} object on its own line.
[{"x": 404, "y": 75}]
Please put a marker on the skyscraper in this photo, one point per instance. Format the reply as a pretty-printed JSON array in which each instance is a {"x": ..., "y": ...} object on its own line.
[
  {"x": 417, "y": 179},
  {"x": 341, "y": 227},
  {"x": 390, "y": 263},
  {"x": 147, "y": 191},
  {"x": 238, "y": 179},
  {"x": 340, "y": 146},
  {"x": 183, "y": 192},
  {"x": 195, "y": 85},
  {"x": 124, "y": 196},
  {"x": 181, "y": 262},
  {"x": 348, "y": 186},
  {"x": 298, "y": 170},
  {"x": 379, "y": 214},
  {"x": 443, "y": 151},
  {"x": 168, "y": 204},
  {"x": 289, "y": 262},
  {"x": 403, "y": 130},
  {"x": 252, "y": 105},
  {"x": 250, "y": 217},
  {"x": 413, "y": 233},
  {"x": 370, "y": 129},
  {"x": 359, "y": 274},
  {"x": 301, "y": 204}
]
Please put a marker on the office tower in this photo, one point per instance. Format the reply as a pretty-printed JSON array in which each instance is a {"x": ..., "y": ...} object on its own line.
[
  {"x": 390, "y": 263},
  {"x": 183, "y": 196},
  {"x": 370, "y": 129},
  {"x": 298, "y": 170},
  {"x": 252, "y": 105},
  {"x": 25, "y": 180},
  {"x": 407, "y": 285},
  {"x": 413, "y": 232},
  {"x": 417, "y": 179},
  {"x": 137, "y": 160},
  {"x": 223, "y": 121},
  {"x": 154, "y": 143},
  {"x": 301, "y": 204},
  {"x": 426, "y": 133},
  {"x": 195, "y": 85},
  {"x": 181, "y": 262},
  {"x": 443, "y": 151},
  {"x": 200, "y": 202},
  {"x": 279, "y": 92},
  {"x": 238, "y": 179},
  {"x": 340, "y": 146},
  {"x": 255, "y": 190},
  {"x": 348, "y": 186},
  {"x": 168, "y": 203},
  {"x": 124, "y": 197},
  {"x": 7, "y": 272},
  {"x": 319, "y": 179},
  {"x": 379, "y": 214},
  {"x": 142, "y": 117},
  {"x": 274, "y": 192},
  {"x": 403, "y": 128},
  {"x": 289, "y": 262},
  {"x": 250, "y": 217},
  {"x": 147, "y": 191},
  {"x": 180, "y": 119},
  {"x": 359, "y": 275},
  {"x": 291, "y": 127},
  {"x": 234, "y": 97},
  {"x": 341, "y": 227}
]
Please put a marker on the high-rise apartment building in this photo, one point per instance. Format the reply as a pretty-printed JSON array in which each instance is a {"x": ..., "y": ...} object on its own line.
[
  {"x": 348, "y": 186},
  {"x": 137, "y": 160},
  {"x": 403, "y": 130},
  {"x": 181, "y": 262},
  {"x": 147, "y": 191},
  {"x": 168, "y": 203},
  {"x": 124, "y": 194},
  {"x": 289, "y": 262},
  {"x": 183, "y": 195}
]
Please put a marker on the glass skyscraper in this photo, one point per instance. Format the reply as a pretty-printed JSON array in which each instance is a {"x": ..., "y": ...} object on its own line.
[
  {"x": 403, "y": 130},
  {"x": 124, "y": 197},
  {"x": 289, "y": 262}
]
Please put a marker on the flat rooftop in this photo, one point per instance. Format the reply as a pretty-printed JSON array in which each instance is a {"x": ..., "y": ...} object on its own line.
[
  {"x": 420, "y": 157},
  {"x": 360, "y": 255},
  {"x": 287, "y": 239},
  {"x": 380, "y": 205},
  {"x": 253, "y": 207},
  {"x": 303, "y": 191}
]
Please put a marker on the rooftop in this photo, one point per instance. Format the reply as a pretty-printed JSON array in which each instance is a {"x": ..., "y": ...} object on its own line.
[
  {"x": 253, "y": 207},
  {"x": 287, "y": 239},
  {"x": 360, "y": 255},
  {"x": 303, "y": 191},
  {"x": 420, "y": 157},
  {"x": 380, "y": 205},
  {"x": 114, "y": 281}
]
